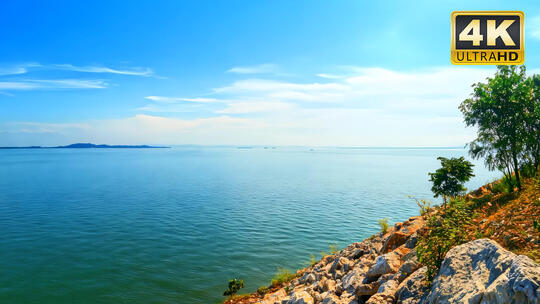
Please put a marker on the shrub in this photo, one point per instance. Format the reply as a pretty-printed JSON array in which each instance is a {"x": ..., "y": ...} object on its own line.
[
  {"x": 384, "y": 224},
  {"x": 425, "y": 206},
  {"x": 262, "y": 290},
  {"x": 234, "y": 286},
  {"x": 282, "y": 276},
  {"x": 500, "y": 187},
  {"x": 445, "y": 230}
]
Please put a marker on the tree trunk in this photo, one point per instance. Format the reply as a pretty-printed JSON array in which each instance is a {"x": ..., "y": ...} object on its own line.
[{"x": 509, "y": 179}]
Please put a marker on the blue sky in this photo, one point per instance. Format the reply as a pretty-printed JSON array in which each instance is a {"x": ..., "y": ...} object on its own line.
[{"x": 347, "y": 73}]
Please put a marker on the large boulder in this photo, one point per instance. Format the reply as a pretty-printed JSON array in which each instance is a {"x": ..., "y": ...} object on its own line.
[
  {"x": 301, "y": 297},
  {"x": 517, "y": 285},
  {"x": 277, "y": 296},
  {"x": 481, "y": 271},
  {"x": 413, "y": 289},
  {"x": 385, "y": 294},
  {"x": 386, "y": 263}
]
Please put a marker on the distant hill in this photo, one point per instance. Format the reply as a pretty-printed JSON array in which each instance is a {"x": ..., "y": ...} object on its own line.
[{"x": 89, "y": 145}]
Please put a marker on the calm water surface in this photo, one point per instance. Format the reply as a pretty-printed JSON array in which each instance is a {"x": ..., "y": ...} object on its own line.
[{"x": 173, "y": 225}]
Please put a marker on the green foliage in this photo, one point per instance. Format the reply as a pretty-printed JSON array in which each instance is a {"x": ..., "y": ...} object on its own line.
[
  {"x": 384, "y": 224},
  {"x": 501, "y": 187},
  {"x": 425, "y": 206},
  {"x": 506, "y": 112},
  {"x": 282, "y": 276},
  {"x": 448, "y": 180},
  {"x": 445, "y": 230},
  {"x": 262, "y": 290},
  {"x": 234, "y": 286}
]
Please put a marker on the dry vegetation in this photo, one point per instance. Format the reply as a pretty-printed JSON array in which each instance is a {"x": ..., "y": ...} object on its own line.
[{"x": 508, "y": 218}]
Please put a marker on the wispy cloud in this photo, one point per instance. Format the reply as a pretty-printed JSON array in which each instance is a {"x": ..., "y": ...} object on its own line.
[
  {"x": 17, "y": 69},
  {"x": 10, "y": 82},
  {"x": 24, "y": 68},
  {"x": 40, "y": 84},
  {"x": 369, "y": 106},
  {"x": 266, "y": 68},
  {"x": 329, "y": 76},
  {"x": 254, "y": 107},
  {"x": 138, "y": 129},
  {"x": 136, "y": 71},
  {"x": 180, "y": 99}
]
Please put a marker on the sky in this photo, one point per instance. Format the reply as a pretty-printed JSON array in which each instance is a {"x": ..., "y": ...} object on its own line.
[{"x": 310, "y": 73}]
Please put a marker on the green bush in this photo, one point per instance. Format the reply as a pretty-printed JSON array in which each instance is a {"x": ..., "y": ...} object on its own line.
[
  {"x": 445, "y": 230},
  {"x": 500, "y": 187},
  {"x": 425, "y": 206},
  {"x": 509, "y": 183},
  {"x": 262, "y": 290},
  {"x": 234, "y": 286},
  {"x": 282, "y": 276},
  {"x": 384, "y": 224}
]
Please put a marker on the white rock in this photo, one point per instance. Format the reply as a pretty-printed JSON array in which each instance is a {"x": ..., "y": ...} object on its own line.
[
  {"x": 301, "y": 297},
  {"x": 481, "y": 271}
]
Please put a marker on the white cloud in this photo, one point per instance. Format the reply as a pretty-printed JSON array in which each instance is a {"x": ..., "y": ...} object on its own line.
[
  {"x": 266, "y": 68},
  {"x": 137, "y": 71},
  {"x": 329, "y": 76},
  {"x": 13, "y": 71},
  {"x": 179, "y": 99},
  {"x": 261, "y": 85},
  {"x": 369, "y": 107},
  {"x": 254, "y": 107},
  {"x": 17, "y": 69},
  {"x": 41, "y": 84},
  {"x": 28, "y": 67},
  {"x": 132, "y": 130}
]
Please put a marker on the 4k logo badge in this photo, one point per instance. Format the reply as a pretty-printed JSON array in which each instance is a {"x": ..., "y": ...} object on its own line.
[{"x": 488, "y": 37}]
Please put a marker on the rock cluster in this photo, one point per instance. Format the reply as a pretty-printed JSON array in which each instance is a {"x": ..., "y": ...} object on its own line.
[
  {"x": 385, "y": 269},
  {"x": 371, "y": 271}
]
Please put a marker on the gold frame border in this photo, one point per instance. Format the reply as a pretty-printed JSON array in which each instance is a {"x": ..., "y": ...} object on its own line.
[{"x": 501, "y": 13}]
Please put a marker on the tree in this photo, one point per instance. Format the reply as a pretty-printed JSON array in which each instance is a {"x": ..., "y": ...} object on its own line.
[
  {"x": 532, "y": 123},
  {"x": 498, "y": 109},
  {"x": 234, "y": 286},
  {"x": 449, "y": 179}
]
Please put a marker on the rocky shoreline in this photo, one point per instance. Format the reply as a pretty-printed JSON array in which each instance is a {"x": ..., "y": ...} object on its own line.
[{"x": 385, "y": 269}]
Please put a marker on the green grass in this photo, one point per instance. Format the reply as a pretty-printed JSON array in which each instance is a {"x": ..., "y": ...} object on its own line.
[
  {"x": 384, "y": 225},
  {"x": 282, "y": 276}
]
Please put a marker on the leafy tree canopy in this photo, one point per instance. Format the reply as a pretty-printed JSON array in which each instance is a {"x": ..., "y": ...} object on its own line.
[
  {"x": 234, "y": 286},
  {"x": 449, "y": 179}
]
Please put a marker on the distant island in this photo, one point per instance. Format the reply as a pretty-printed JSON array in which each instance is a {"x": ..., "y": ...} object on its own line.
[{"x": 88, "y": 146}]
